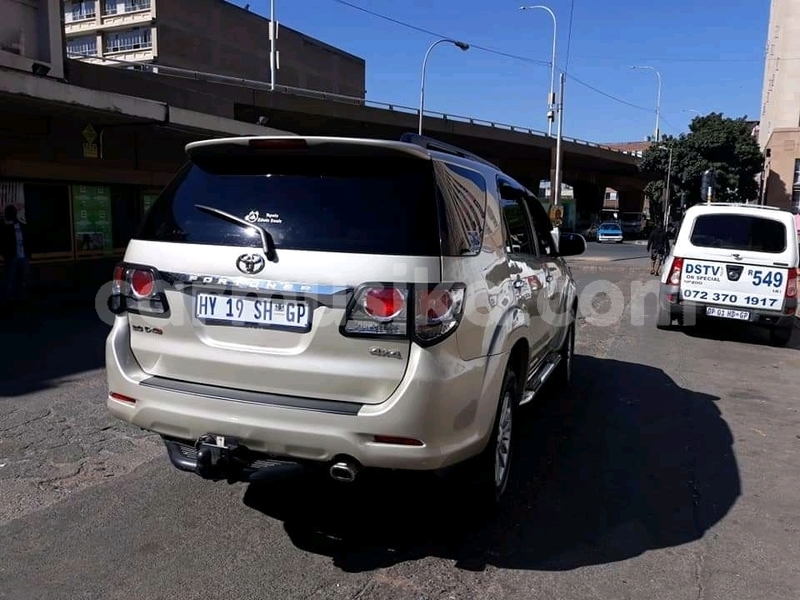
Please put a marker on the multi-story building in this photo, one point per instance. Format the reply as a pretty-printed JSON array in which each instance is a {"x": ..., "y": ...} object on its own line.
[
  {"x": 779, "y": 128},
  {"x": 211, "y": 36}
]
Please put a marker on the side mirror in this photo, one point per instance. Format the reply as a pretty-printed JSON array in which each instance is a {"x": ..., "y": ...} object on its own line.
[{"x": 571, "y": 244}]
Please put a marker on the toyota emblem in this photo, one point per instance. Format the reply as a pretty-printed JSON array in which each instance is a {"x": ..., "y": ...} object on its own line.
[{"x": 250, "y": 263}]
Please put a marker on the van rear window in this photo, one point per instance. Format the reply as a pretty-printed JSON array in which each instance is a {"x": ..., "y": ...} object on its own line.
[
  {"x": 739, "y": 232},
  {"x": 372, "y": 206}
]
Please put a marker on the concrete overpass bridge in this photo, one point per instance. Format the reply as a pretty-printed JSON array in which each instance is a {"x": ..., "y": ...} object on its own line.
[{"x": 526, "y": 154}]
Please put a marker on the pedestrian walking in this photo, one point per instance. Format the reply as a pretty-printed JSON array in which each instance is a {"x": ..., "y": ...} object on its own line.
[{"x": 14, "y": 247}]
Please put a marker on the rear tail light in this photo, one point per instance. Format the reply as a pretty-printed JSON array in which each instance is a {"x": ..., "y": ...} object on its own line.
[
  {"x": 791, "y": 284},
  {"x": 426, "y": 314},
  {"x": 675, "y": 270},
  {"x": 377, "y": 310},
  {"x": 437, "y": 313},
  {"x": 136, "y": 289}
]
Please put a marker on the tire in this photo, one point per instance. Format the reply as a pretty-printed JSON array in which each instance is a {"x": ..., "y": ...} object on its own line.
[
  {"x": 496, "y": 462},
  {"x": 563, "y": 375},
  {"x": 663, "y": 318},
  {"x": 780, "y": 336}
]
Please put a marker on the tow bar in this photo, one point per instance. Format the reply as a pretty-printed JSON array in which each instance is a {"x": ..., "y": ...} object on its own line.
[{"x": 220, "y": 457}]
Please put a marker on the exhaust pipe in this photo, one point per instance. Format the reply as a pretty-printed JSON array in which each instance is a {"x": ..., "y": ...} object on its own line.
[{"x": 344, "y": 470}]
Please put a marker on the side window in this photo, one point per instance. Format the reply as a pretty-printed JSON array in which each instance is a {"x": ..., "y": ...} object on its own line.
[
  {"x": 463, "y": 193},
  {"x": 542, "y": 225},
  {"x": 519, "y": 232}
]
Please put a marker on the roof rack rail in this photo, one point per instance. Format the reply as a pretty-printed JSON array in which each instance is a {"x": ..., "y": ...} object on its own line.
[
  {"x": 433, "y": 144},
  {"x": 737, "y": 204}
]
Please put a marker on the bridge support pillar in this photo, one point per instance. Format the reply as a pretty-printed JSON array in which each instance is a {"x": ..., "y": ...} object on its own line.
[{"x": 588, "y": 199}]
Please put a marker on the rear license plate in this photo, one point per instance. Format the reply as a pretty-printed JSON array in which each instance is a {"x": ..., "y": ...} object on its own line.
[
  {"x": 257, "y": 312},
  {"x": 727, "y": 313}
]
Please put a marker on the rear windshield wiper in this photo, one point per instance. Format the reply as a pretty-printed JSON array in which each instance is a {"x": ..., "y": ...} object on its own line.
[{"x": 267, "y": 241}]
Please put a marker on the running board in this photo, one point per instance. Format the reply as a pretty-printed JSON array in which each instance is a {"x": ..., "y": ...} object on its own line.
[{"x": 539, "y": 377}]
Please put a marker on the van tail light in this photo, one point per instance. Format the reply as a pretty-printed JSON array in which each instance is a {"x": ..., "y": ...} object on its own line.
[
  {"x": 675, "y": 270},
  {"x": 424, "y": 313},
  {"x": 791, "y": 283},
  {"x": 137, "y": 289}
]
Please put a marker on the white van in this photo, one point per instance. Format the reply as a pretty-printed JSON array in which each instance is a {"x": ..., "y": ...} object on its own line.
[{"x": 733, "y": 261}]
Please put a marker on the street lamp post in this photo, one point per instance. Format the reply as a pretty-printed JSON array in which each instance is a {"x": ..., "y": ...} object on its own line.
[
  {"x": 658, "y": 98},
  {"x": 273, "y": 34},
  {"x": 551, "y": 100},
  {"x": 461, "y": 45}
]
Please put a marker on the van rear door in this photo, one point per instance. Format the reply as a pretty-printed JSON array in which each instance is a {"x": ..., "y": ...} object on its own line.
[{"x": 739, "y": 260}]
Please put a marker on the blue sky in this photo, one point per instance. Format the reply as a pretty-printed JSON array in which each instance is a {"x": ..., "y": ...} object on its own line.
[{"x": 709, "y": 54}]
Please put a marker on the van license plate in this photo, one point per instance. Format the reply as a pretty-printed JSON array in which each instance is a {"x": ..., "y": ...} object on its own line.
[
  {"x": 727, "y": 313},
  {"x": 258, "y": 312}
]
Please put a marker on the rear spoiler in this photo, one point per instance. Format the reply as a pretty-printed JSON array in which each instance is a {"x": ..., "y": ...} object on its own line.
[{"x": 282, "y": 146}]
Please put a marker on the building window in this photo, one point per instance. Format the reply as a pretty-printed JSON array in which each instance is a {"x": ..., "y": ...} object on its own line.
[
  {"x": 80, "y": 10},
  {"x": 132, "y": 39},
  {"x": 83, "y": 46},
  {"x": 109, "y": 7},
  {"x": 134, "y": 5}
]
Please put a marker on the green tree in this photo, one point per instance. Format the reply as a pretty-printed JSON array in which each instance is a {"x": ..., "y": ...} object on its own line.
[{"x": 713, "y": 141}]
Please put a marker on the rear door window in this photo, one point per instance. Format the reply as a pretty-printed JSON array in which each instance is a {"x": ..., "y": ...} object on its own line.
[
  {"x": 739, "y": 232},
  {"x": 372, "y": 206}
]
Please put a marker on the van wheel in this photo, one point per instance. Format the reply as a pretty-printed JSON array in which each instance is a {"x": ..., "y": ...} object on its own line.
[
  {"x": 780, "y": 336},
  {"x": 663, "y": 318},
  {"x": 495, "y": 463}
]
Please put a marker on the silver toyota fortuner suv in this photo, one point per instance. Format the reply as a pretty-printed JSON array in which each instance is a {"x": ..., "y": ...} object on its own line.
[{"x": 340, "y": 303}]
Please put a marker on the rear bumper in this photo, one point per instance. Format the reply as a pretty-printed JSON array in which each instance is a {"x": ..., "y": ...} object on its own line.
[
  {"x": 692, "y": 311},
  {"x": 609, "y": 238},
  {"x": 447, "y": 405}
]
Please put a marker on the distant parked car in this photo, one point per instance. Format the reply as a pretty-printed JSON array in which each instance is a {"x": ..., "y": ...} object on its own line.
[
  {"x": 590, "y": 233},
  {"x": 610, "y": 232}
]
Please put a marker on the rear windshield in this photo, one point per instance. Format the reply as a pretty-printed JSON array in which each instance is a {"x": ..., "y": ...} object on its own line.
[
  {"x": 739, "y": 232},
  {"x": 373, "y": 206}
]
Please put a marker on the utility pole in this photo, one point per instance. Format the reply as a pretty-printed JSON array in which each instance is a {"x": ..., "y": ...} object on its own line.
[
  {"x": 273, "y": 55},
  {"x": 667, "y": 190},
  {"x": 559, "y": 138}
]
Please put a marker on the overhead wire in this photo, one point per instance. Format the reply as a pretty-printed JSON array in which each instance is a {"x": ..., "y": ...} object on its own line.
[{"x": 492, "y": 51}]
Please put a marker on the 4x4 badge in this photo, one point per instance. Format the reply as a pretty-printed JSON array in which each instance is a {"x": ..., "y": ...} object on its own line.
[{"x": 250, "y": 263}]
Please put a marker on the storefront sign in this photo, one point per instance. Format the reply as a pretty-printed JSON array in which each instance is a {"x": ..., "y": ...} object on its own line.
[
  {"x": 91, "y": 205},
  {"x": 90, "y": 147}
]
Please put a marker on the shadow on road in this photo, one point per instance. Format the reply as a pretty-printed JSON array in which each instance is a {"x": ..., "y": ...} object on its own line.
[
  {"x": 39, "y": 349},
  {"x": 625, "y": 463},
  {"x": 727, "y": 331}
]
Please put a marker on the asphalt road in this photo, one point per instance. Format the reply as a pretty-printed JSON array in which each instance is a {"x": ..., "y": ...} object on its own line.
[
  {"x": 627, "y": 254},
  {"x": 670, "y": 471}
]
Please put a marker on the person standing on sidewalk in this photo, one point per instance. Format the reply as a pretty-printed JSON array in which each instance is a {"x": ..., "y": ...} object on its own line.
[{"x": 14, "y": 247}]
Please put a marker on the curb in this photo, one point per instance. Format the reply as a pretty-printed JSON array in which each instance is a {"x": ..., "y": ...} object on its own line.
[{"x": 605, "y": 266}]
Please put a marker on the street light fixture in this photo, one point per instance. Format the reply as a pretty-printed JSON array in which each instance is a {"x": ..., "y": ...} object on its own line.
[
  {"x": 460, "y": 45},
  {"x": 658, "y": 98},
  {"x": 551, "y": 101}
]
